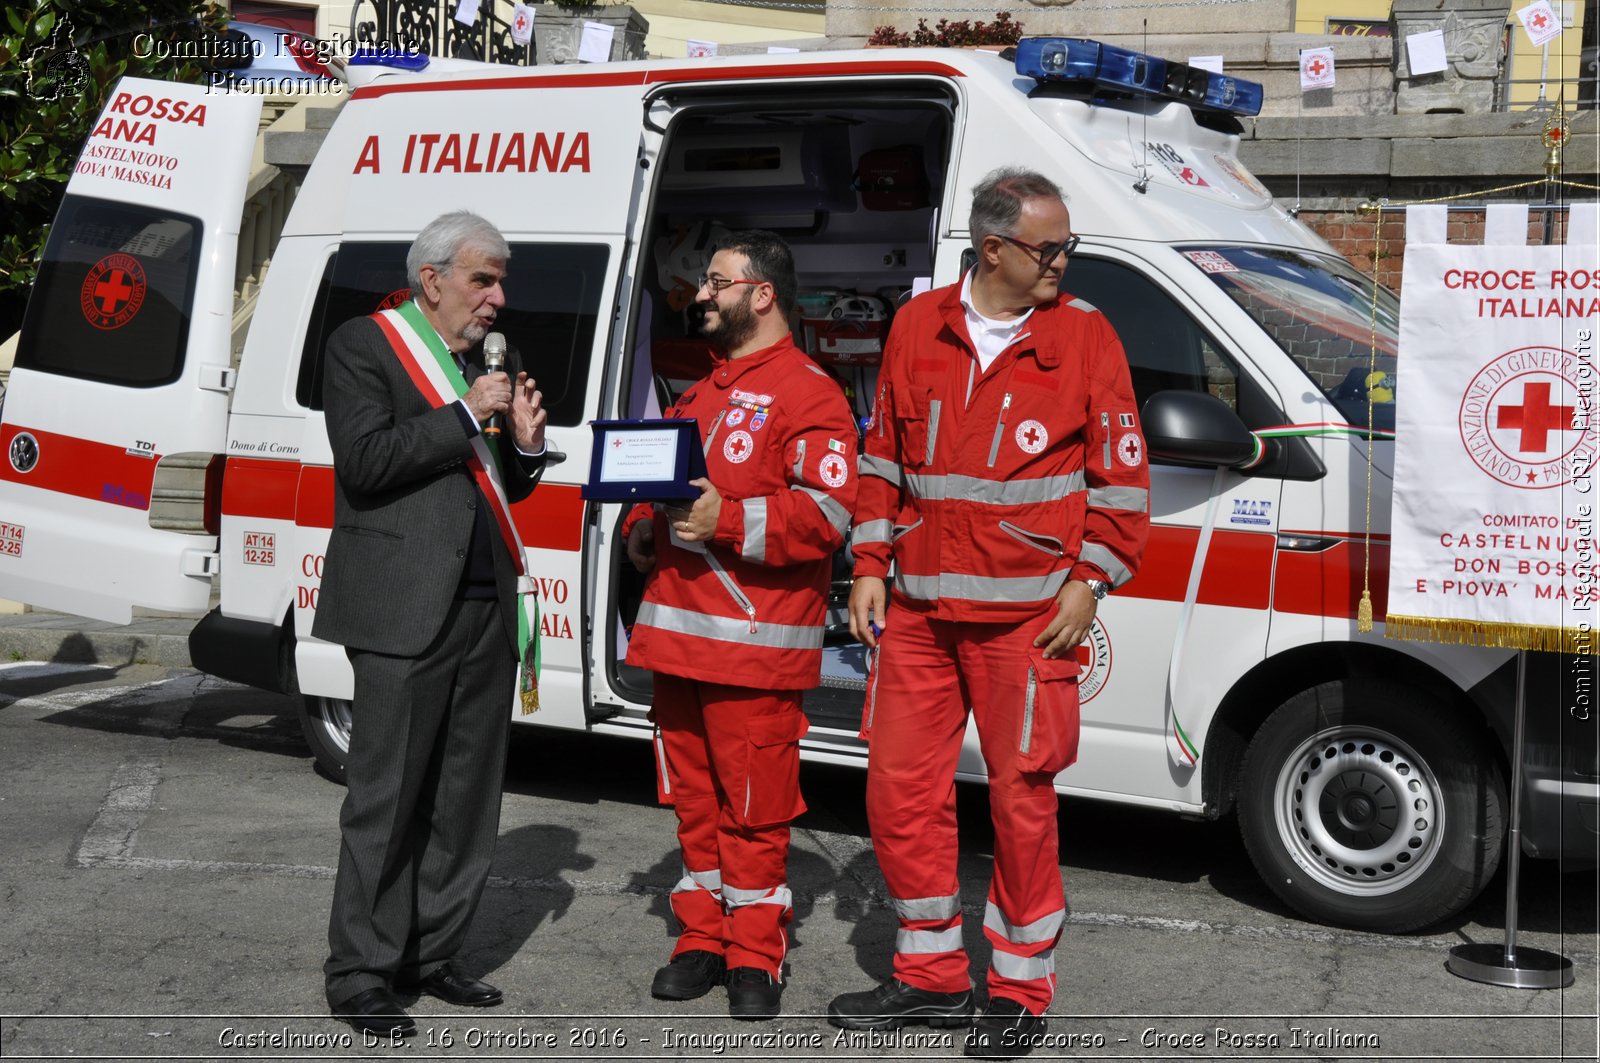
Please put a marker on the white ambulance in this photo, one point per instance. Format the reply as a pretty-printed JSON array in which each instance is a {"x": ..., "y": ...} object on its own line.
[{"x": 1369, "y": 775}]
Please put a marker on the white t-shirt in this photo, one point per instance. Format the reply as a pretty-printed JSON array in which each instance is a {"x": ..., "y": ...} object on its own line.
[{"x": 989, "y": 337}]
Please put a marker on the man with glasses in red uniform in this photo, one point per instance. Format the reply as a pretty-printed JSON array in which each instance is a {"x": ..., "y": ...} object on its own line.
[
  {"x": 732, "y": 622},
  {"x": 1003, "y": 477}
]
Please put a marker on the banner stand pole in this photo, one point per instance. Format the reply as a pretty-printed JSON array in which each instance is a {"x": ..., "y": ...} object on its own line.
[{"x": 1507, "y": 966}]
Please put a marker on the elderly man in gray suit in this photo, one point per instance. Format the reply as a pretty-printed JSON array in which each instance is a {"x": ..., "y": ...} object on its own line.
[{"x": 421, "y": 585}]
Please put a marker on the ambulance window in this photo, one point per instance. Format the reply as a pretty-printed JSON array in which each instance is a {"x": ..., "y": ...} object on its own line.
[
  {"x": 1324, "y": 315},
  {"x": 1166, "y": 348},
  {"x": 113, "y": 298},
  {"x": 552, "y": 311}
]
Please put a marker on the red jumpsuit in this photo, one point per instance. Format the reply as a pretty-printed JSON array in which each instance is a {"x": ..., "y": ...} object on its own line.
[
  {"x": 987, "y": 491},
  {"x": 733, "y": 631}
]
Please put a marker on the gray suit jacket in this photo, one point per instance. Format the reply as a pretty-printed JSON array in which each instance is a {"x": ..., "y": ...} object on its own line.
[{"x": 403, "y": 501}]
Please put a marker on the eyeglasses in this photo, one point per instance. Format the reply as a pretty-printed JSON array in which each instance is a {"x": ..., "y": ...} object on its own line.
[
  {"x": 719, "y": 284},
  {"x": 1047, "y": 253}
]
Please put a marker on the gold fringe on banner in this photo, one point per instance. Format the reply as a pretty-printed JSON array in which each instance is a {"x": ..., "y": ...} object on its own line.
[{"x": 1483, "y": 633}]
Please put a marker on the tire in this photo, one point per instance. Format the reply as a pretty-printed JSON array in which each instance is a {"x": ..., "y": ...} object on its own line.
[
  {"x": 1320, "y": 806},
  {"x": 325, "y": 722}
]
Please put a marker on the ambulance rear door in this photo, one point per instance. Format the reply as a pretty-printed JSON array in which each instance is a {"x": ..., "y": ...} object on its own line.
[{"x": 123, "y": 364}]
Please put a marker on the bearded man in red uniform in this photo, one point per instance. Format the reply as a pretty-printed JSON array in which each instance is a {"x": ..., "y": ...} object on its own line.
[
  {"x": 1004, "y": 477},
  {"x": 732, "y": 622}
]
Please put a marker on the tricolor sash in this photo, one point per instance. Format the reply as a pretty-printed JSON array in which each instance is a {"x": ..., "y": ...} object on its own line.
[{"x": 432, "y": 368}]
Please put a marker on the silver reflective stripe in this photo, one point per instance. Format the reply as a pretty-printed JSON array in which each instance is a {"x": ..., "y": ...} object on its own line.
[
  {"x": 800, "y": 460},
  {"x": 755, "y": 530},
  {"x": 982, "y": 588},
  {"x": 1083, "y": 304},
  {"x": 873, "y": 531},
  {"x": 941, "y": 908},
  {"x": 715, "y": 426},
  {"x": 730, "y": 629},
  {"x": 999, "y": 430},
  {"x": 1023, "y": 968},
  {"x": 1027, "y": 724},
  {"x": 710, "y": 881},
  {"x": 933, "y": 428},
  {"x": 734, "y": 897},
  {"x": 995, "y": 492},
  {"x": 1107, "y": 562},
  {"x": 837, "y": 515},
  {"x": 923, "y": 942},
  {"x": 1044, "y": 928},
  {"x": 731, "y": 585},
  {"x": 882, "y": 468},
  {"x": 1136, "y": 499},
  {"x": 1046, "y": 544}
]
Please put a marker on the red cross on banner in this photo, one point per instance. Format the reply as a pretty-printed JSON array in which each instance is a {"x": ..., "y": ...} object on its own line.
[{"x": 1536, "y": 417}]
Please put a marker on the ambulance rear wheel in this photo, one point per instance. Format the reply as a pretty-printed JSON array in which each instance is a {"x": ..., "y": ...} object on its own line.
[
  {"x": 326, "y": 724},
  {"x": 1369, "y": 806}
]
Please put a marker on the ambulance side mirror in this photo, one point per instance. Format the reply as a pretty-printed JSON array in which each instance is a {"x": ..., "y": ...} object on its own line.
[{"x": 1194, "y": 428}]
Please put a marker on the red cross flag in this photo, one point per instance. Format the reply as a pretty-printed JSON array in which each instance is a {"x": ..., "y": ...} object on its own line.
[
  {"x": 1541, "y": 22},
  {"x": 522, "y": 23},
  {"x": 1497, "y": 411},
  {"x": 1316, "y": 68}
]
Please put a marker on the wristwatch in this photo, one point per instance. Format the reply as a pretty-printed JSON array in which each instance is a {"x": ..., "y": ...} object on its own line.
[{"x": 1098, "y": 587}]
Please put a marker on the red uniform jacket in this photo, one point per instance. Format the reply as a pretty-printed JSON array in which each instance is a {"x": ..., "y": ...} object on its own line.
[
  {"x": 747, "y": 609},
  {"x": 990, "y": 490}
]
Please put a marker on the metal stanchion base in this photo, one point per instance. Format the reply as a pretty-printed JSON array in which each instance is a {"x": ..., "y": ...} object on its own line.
[{"x": 1531, "y": 969}]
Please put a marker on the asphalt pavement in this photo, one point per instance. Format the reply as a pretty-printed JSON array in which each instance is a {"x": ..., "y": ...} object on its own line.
[{"x": 168, "y": 856}]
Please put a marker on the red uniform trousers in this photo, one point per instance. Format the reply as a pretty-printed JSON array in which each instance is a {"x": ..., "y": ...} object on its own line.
[
  {"x": 926, "y": 674},
  {"x": 731, "y": 769}
]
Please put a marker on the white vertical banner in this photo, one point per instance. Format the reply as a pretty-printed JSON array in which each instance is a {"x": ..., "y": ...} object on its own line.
[
  {"x": 1540, "y": 21},
  {"x": 1495, "y": 445},
  {"x": 1316, "y": 68},
  {"x": 522, "y": 23}
]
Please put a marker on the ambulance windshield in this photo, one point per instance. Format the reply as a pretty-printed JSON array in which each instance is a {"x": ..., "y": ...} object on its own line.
[{"x": 1321, "y": 311}]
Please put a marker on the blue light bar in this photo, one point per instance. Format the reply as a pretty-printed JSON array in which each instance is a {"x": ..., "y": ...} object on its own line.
[
  {"x": 390, "y": 56},
  {"x": 1118, "y": 69}
]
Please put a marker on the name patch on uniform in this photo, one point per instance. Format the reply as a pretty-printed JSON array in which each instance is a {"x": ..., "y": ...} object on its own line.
[{"x": 747, "y": 399}]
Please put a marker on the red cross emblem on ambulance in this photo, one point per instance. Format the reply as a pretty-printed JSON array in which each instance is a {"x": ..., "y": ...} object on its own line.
[{"x": 113, "y": 291}]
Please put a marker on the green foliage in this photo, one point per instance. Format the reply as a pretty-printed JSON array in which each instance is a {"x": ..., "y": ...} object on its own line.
[
  {"x": 948, "y": 34},
  {"x": 58, "y": 62}
]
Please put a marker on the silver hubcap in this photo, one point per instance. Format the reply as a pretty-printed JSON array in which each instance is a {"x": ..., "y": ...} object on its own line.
[
  {"x": 333, "y": 716},
  {"x": 1359, "y": 811}
]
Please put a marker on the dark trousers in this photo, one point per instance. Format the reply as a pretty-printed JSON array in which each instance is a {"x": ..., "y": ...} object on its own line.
[{"x": 420, "y": 818}]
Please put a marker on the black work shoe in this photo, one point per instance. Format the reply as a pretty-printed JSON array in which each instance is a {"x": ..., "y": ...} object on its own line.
[
  {"x": 752, "y": 994},
  {"x": 690, "y": 974},
  {"x": 895, "y": 1004},
  {"x": 376, "y": 1011},
  {"x": 451, "y": 986},
  {"x": 1007, "y": 1030}
]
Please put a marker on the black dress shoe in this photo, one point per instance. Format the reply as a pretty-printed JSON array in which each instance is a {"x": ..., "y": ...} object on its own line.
[
  {"x": 752, "y": 994},
  {"x": 376, "y": 1011},
  {"x": 1007, "y": 1030},
  {"x": 895, "y": 1004},
  {"x": 689, "y": 976},
  {"x": 453, "y": 987}
]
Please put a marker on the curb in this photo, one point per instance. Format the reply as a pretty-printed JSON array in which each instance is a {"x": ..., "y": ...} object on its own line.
[{"x": 38, "y": 636}]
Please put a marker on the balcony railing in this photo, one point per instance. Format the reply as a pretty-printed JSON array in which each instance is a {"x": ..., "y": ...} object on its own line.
[{"x": 430, "y": 26}]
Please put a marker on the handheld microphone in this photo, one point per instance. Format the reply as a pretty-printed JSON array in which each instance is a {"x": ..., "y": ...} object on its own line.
[{"x": 494, "y": 360}]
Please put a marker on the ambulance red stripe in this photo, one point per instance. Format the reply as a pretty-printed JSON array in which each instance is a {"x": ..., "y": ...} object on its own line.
[
  {"x": 83, "y": 468},
  {"x": 549, "y": 519},
  {"x": 659, "y": 77}
]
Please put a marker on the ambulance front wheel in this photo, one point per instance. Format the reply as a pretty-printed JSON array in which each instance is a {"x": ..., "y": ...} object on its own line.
[
  {"x": 1366, "y": 805},
  {"x": 326, "y": 724}
]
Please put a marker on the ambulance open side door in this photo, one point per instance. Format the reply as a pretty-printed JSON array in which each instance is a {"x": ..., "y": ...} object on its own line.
[{"x": 124, "y": 362}]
